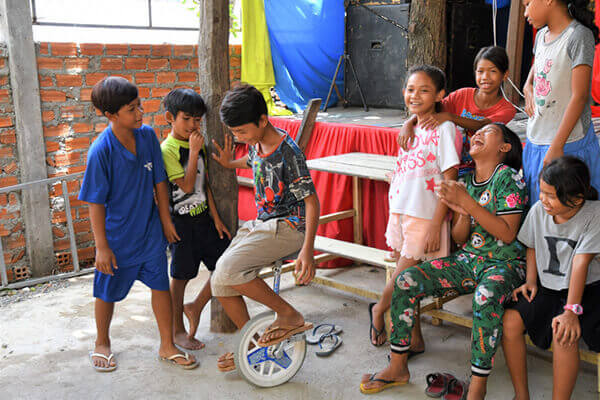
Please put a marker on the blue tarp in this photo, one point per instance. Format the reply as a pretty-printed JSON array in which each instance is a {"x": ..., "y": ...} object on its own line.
[{"x": 307, "y": 39}]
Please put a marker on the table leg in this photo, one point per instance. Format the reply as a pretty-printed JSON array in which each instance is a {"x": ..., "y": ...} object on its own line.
[{"x": 357, "y": 206}]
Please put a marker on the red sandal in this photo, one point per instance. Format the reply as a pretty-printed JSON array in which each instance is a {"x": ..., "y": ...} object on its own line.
[
  {"x": 457, "y": 390},
  {"x": 438, "y": 384}
]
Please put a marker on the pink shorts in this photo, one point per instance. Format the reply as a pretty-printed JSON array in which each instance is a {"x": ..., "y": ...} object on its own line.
[{"x": 406, "y": 235}]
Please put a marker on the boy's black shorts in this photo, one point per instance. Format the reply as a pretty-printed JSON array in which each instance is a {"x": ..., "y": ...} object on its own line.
[
  {"x": 547, "y": 304},
  {"x": 199, "y": 242}
]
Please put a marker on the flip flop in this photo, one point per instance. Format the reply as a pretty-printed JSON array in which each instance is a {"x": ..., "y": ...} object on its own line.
[
  {"x": 171, "y": 360},
  {"x": 110, "y": 357},
  {"x": 314, "y": 336},
  {"x": 411, "y": 354},
  {"x": 226, "y": 364},
  {"x": 289, "y": 332},
  {"x": 372, "y": 327},
  {"x": 328, "y": 344},
  {"x": 457, "y": 390},
  {"x": 438, "y": 384},
  {"x": 386, "y": 385}
]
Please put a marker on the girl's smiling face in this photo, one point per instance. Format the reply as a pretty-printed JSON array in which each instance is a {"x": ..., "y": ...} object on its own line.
[
  {"x": 553, "y": 206},
  {"x": 420, "y": 94},
  {"x": 488, "y": 142},
  {"x": 488, "y": 76}
]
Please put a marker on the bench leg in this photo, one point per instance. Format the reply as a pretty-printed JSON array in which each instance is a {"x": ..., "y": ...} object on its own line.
[{"x": 438, "y": 305}]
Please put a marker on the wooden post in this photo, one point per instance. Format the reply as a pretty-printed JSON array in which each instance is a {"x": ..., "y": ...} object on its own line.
[
  {"x": 308, "y": 123},
  {"x": 514, "y": 47},
  {"x": 427, "y": 33},
  {"x": 213, "y": 64}
]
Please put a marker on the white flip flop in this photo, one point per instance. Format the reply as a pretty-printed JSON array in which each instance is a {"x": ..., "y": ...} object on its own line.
[
  {"x": 108, "y": 359},
  {"x": 171, "y": 360},
  {"x": 314, "y": 336},
  {"x": 328, "y": 344}
]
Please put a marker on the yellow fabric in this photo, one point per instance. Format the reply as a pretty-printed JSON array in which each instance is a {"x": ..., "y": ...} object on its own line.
[{"x": 257, "y": 64}]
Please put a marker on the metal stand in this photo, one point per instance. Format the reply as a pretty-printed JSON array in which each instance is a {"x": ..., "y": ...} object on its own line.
[{"x": 345, "y": 57}]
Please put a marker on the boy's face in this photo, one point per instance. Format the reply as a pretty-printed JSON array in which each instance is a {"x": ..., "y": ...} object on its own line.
[
  {"x": 129, "y": 116},
  {"x": 183, "y": 125},
  {"x": 250, "y": 133}
]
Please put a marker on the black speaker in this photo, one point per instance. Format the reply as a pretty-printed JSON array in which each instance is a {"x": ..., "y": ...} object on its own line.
[{"x": 377, "y": 49}]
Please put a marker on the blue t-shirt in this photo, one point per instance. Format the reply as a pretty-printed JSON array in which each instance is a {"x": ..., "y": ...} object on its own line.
[{"x": 124, "y": 183}]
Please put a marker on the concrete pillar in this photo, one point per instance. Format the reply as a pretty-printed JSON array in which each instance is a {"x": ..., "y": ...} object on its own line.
[{"x": 15, "y": 19}]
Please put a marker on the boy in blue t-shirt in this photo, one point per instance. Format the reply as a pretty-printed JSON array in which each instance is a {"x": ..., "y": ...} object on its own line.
[
  {"x": 193, "y": 208},
  {"x": 124, "y": 167}
]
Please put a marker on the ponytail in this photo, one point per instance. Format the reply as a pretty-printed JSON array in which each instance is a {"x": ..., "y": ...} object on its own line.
[{"x": 578, "y": 9}]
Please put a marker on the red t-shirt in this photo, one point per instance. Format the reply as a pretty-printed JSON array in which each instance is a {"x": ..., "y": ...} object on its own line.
[{"x": 462, "y": 103}]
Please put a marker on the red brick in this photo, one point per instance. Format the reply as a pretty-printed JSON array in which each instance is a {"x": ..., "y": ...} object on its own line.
[
  {"x": 82, "y": 227},
  {"x": 161, "y": 50},
  {"x": 16, "y": 242},
  {"x": 3, "y": 80},
  {"x": 91, "y": 49},
  {"x": 165, "y": 77},
  {"x": 164, "y": 133},
  {"x": 83, "y": 212},
  {"x": 85, "y": 94},
  {"x": 194, "y": 62},
  {"x": 77, "y": 63},
  {"x": 50, "y": 161},
  {"x": 10, "y": 168},
  {"x": 179, "y": 63},
  {"x": 62, "y": 245},
  {"x": 140, "y": 49},
  {"x": 77, "y": 143},
  {"x": 195, "y": 49},
  {"x": 8, "y": 181},
  {"x": 117, "y": 49},
  {"x": 59, "y": 217},
  {"x": 3, "y": 199},
  {"x": 70, "y": 112},
  {"x": 50, "y": 63},
  {"x": 72, "y": 186},
  {"x": 144, "y": 77},
  {"x": 187, "y": 76},
  {"x": 235, "y": 49},
  {"x": 44, "y": 49},
  {"x": 143, "y": 92},
  {"x": 59, "y": 233},
  {"x": 2, "y": 62},
  {"x": 5, "y": 122},
  {"x": 92, "y": 79},
  {"x": 235, "y": 61},
  {"x": 73, "y": 170},
  {"x": 4, "y": 96},
  {"x": 5, "y": 232},
  {"x": 160, "y": 92},
  {"x": 58, "y": 130},
  {"x": 53, "y": 95},
  {"x": 126, "y": 76},
  {"x": 17, "y": 228},
  {"x": 47, "y": 116},
  {"x": 136, "y": 63},
  {"x": 160, "y": 120},
  {"x": 158, "y": 63},
  {"x": 68, "y": 80},
  {"x": 112, "y": 64},
  {"x": 64, "y": 49},
  {"x": 8, "y": 137},
  {"x": 100, "y": 127},
  {"x": 147, "y": 119},
  {"x": 82, "y": 127},
  {"x": 183, "y": 50},
  {"x": 45, "y": 81},
  {"x": 66, "y": 159},
  {"x": 84, "y": 238},
  {"x": 86, "y": 253},
  {"x": 6, "y": 152},
  {"x": 52, "y": 146},
  {"x": 151, "y": 106}
]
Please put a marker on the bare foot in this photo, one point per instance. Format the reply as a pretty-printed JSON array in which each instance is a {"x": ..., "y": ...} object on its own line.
[
  {"x": 378, "y": 323},
  {"x": 187, "y": 342},
  {"x": 387, "y": 374},
  {"x": 193, "y": 318},
  {"x": 294, "y": 320},
  {"x": 102, "y": 362},
  {"x": 171, "y": 350}
]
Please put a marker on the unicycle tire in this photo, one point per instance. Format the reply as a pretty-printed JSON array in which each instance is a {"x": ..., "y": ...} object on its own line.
[{"x": 256, "y": 365}]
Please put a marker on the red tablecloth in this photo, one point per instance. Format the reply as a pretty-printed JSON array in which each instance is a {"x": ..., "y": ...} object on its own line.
[{"x": 335, "y": 191}]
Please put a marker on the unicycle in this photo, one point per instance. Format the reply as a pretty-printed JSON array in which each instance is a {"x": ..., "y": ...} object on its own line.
[{"x": 274, "y": 365}]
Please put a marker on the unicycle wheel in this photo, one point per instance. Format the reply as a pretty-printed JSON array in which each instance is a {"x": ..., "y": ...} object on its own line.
[{"x": 267, "y": 366}]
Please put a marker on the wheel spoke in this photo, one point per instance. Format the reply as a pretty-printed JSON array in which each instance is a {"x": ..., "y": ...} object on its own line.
[
  {"x": 272, "y": 368},
  {"x": 262, "y": 368}
]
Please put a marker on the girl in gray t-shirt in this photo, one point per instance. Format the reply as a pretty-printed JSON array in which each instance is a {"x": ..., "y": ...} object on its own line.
[{"x": 562, "y": 236}]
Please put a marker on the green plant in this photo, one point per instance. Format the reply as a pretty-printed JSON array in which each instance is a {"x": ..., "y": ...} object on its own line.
[{"x": 234, "y": 24}]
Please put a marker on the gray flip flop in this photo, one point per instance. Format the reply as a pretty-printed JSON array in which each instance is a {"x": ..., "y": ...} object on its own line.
[
  {"x": 328, "y": 344},
  {"x": 108, "y": 360},
  {"x": 314, "y": 336}
]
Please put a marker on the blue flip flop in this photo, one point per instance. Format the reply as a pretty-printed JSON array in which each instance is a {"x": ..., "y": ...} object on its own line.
[
  {"x": 328, "y": 344},
  {"x": 315, "y": 335}
]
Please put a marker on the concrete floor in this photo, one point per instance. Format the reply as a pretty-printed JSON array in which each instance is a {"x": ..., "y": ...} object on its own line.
[{"x": 45, "y": 339}]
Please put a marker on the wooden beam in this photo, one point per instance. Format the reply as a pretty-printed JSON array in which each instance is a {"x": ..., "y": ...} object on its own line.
[
  {"x": 514, "y": 47},
  {"x": 336, "y": 216},
  {"x": 308, "y": 123}
]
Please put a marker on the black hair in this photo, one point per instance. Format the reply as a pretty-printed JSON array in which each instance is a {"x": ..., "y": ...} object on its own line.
[
  {"x": 186, "y": 100},
  {"x": 514, "y": 157},
  {"x": 580, "y": 11},
  {"x": 242, "y": 105},
  {"x": 570, "y": 177},
  {"x": 112, "y": 93},
  {"x": 494, "y": 54},
  {"x": 436, "y": 75}
]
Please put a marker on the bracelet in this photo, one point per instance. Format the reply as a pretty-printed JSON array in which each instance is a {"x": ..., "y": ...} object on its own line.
[{"x": 575, "y": 308}]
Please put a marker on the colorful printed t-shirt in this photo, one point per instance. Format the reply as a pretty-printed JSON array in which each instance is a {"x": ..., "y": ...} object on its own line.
[
  {"x": 557, "y": 244},
  {"x": 503, "y": 193},
  {"x": 461, "y": 102},
  {"x": 281, "y": 182},
  {"x": 176, "y": 154},
  {"x": 431, "y": 153},
  {"x": 553, "y": 69}
]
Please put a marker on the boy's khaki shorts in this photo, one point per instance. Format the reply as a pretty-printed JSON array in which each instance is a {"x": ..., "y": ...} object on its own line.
[{"x": 256, "y": 245}]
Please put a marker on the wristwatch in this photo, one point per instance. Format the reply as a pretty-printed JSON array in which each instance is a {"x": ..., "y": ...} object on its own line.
[{"x": 576, "y": 308}]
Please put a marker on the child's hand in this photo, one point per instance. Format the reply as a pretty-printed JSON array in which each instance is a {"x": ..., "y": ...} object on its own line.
[
  {"x": 305, "y": 268},
  {"x": 454, "y": 195},
  {"x": 434, "y": 120},
  {"x": 196, "y": 142},
  {"x": 566, "y": 329},
  {"x": 432, "y": 239},
  {"x": 170, "y": 232},
  {"x": 105, "y": 260},
  {"x": 528, "y": 290},
  {"x": 404, "y": 140},
  {"x": 221, "y": 228},
  {"x": 224, "y": 155},
  {"x": 529, "y": 101},
  {"x": 552, "y": 153}
]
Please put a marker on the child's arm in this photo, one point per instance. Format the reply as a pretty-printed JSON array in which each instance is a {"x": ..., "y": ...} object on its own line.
[
  {"x": 461, "y": 227},
  {"x": 212, "y": 209},
  {"x": 580, "y": 89},
  {"x": 529, "y": 288},
  {"x": 439, "y": 118},
  {"x": 528, "y": 92},
  {"x": 162, "y": 199},
  {"x": 225, "y": 155},
  {"x": 432, "y": 238},
  {"x": 188, "y": 181},
  {"x": 565, "y": 327},
  {"x": 305, "y": 263},
  {"x": 407, "y": 132},
  {"x": 105, "y": 258}
]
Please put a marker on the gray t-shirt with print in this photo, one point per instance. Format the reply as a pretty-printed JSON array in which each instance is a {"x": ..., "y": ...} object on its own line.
[{"x": 557, "y": 244}]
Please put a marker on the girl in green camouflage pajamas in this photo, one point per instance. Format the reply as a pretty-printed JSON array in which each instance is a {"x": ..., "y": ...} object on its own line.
[{"x": 488, "y": 208}]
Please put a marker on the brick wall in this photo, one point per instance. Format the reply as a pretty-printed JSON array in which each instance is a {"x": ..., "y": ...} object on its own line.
[{"x": 67, "y": 73}]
